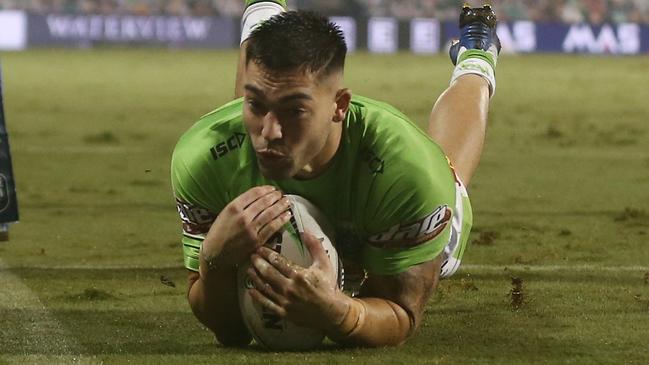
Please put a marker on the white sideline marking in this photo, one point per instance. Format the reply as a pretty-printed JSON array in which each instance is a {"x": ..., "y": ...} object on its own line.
[
  {"x": 41, "y": 328},
  {"x": 464, "y": 267},
  {"x": 546, "y": 268}
]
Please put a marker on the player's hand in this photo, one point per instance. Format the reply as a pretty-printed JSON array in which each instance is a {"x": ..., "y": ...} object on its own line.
[
  {"x": 308, "y": 297},
  {"x": 244, "y": 225}
]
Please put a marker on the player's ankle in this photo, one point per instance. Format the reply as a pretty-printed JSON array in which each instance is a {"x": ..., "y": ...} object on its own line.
[
  {"x": 258, "y": 11},
  {"x": 487, "y": 56},
  {"x": 477, "y": 62}
]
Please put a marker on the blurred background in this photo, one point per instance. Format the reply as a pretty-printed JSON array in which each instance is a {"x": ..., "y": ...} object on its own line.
[
  {"x": 568, "y": 11},
  {"x": 379, "y": 26}
]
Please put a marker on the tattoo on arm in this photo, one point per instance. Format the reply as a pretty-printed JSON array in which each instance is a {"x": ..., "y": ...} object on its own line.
[
  {"x": 211, "y": 262},
  {"x": 410, "y": 289}
]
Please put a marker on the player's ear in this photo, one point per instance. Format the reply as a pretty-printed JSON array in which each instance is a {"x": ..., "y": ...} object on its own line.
[{"x": 343, "y": 98}]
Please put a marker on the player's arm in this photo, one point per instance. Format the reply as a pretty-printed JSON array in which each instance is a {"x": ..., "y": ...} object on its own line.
[
  {"x": 389, "y": 309},
  {"x": 215, "y": 305},
  {"x": 209, "y": 302},
  {"x": 241, "y": 227},
  {"x": 404, "y": 261}
]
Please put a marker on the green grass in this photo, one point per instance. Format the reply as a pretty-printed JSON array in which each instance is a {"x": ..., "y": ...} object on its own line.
[{"x": 561, "y": 201}]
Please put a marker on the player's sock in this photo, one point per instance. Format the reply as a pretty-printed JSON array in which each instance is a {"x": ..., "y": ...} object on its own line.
[
  {"x": 477, "y": 50},
  {"x": 258, "y": 11}
]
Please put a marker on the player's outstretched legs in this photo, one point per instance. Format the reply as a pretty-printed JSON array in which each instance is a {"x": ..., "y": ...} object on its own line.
[{"x": 458, "y": 120}]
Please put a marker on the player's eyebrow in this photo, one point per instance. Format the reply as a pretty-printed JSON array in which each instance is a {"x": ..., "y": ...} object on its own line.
[{"x": 295, "y": 96}]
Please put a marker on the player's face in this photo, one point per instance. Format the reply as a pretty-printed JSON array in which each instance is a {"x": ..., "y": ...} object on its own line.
[{"x": 292, "y": 120}]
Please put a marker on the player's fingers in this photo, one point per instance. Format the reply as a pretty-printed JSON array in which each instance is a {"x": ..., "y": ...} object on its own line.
[
  {"x": 271, "y": 212},
  {"x": 261, "y": 204},
  {"x": 251, "y": 195},
  {"x": 264, "y": 287},
  {"x": 317, "y": 251},
  {"x": 272, "y": 227},
  {"x": 266, "y": 302},
  {"x": 286, "y": 267},
  {"x": 268, "y": 273}
]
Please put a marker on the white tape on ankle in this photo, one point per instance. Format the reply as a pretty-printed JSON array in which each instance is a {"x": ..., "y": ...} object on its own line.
[{"x": 479, "y": 67}]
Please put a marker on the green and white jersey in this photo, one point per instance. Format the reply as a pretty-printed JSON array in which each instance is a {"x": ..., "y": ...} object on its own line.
[{"x": 390, "y": 193}]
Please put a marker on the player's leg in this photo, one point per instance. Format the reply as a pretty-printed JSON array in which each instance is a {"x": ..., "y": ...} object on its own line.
[
  {"x": 256, "y": 12},
  {"x": 459, "y": 118},
  {"x": 458, "y": 123}
]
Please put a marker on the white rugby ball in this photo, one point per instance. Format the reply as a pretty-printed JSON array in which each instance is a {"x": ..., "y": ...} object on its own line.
[{"x": 266, "y": 328}]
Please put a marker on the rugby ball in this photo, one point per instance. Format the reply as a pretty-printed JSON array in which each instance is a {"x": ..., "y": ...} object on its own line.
[{"x": 268, "y": 330}]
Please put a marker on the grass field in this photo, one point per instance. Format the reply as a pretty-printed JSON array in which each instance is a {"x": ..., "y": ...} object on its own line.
[{"x": 558, "y": 268}]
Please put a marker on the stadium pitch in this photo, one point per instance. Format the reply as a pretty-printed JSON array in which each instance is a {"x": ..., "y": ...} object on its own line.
[{"x": 557, "y": 270}]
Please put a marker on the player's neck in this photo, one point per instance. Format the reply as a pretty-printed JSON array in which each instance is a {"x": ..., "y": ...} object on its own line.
[{"x": 325, "y": 158}]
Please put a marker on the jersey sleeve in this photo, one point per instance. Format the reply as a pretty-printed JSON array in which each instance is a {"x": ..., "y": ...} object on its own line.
[
  {"x": 209, "y": 168},
  {"x": 411, "y": 225},
  {"x": 197, "y": 205}
]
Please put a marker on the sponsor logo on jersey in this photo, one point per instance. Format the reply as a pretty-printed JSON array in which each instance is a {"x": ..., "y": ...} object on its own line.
[
  {"x": 413, "y": 234},
  {"x": 223, "y": 148},
  {"x": 196, "y": 220}
]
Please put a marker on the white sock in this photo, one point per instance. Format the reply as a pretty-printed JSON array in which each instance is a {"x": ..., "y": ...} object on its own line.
[
  {"x": 478, "y": 62},
  {"x": 255, "y": 14}
]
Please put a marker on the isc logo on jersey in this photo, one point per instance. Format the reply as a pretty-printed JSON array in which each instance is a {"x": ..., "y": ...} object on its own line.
[{"x": 412, "y": 234}]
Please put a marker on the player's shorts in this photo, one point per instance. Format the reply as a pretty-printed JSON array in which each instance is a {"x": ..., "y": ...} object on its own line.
[{"x": 460, "y": 229}]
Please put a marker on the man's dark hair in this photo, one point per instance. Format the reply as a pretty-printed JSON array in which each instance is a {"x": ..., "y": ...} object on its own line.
[{"x": 297, "y": 40}]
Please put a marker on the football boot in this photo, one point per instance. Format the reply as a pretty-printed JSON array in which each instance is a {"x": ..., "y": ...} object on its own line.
[{"x": 477, "y": 32}]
